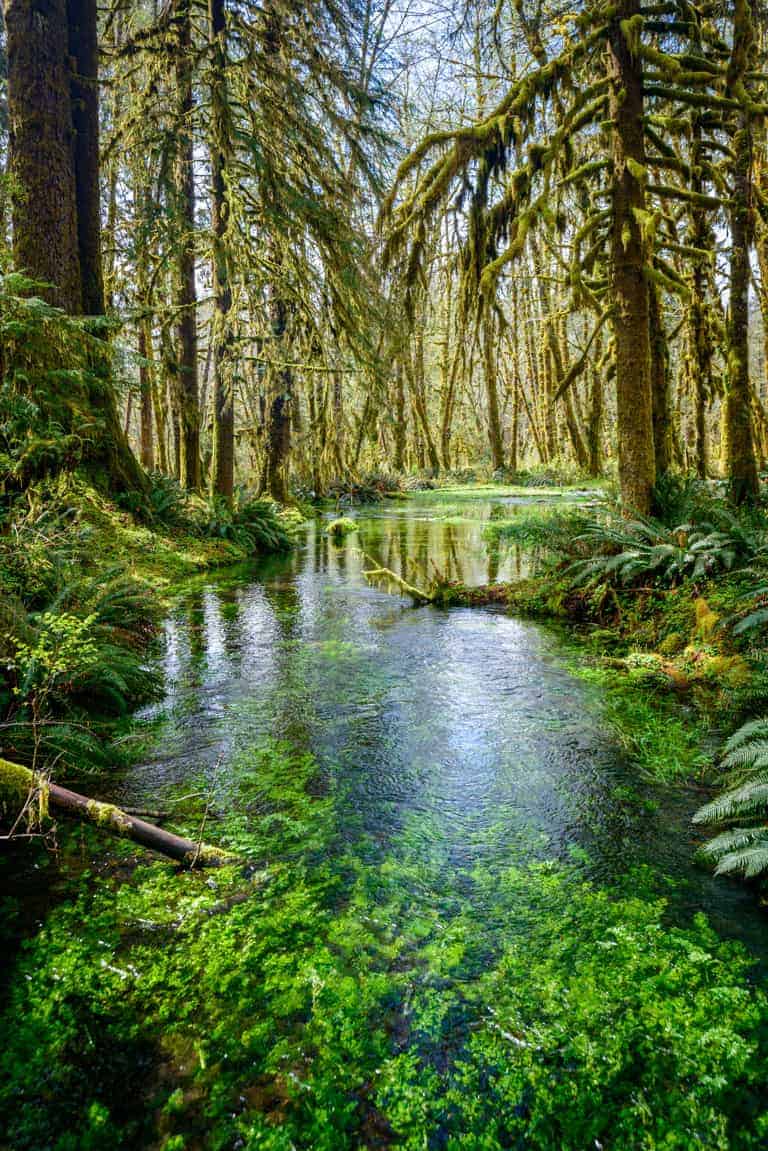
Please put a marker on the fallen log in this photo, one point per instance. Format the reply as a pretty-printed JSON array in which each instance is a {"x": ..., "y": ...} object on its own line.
[
  {"x": 416, "y": 594},
  {"x": 24, "y": 793}
]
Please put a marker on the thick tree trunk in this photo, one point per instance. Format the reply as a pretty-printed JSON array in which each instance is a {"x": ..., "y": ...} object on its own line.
[
  {"x": 42, "y": 159},
  {"x": 223, "y": 392},
  {"x": 84, "y": 91},
  {"x": 186, "y": 290},
  {"x": 629, "y": 287},
  {"x": 55, "y": 170}
]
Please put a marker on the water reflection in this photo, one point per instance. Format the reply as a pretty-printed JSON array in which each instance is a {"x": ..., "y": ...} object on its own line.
[{"x": 457, "y": 737}]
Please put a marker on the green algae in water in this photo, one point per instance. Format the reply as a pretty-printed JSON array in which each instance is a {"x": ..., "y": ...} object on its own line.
[
  {"x": 343, "y": 994},
  {"x": 451, "y": 933}
]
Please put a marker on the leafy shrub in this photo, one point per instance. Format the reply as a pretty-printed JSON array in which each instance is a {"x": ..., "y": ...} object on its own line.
[
  {"x": 626, "y": 552},
  {"x": 168, "y": 502}
]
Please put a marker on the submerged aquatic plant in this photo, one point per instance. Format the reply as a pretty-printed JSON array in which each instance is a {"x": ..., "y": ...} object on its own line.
[{"x": 340, "y": 994}]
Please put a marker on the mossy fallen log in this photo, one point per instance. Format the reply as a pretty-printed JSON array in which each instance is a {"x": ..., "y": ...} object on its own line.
[
  {"x": 416, "y": 594},
  {"x": 24, "y": 792}
]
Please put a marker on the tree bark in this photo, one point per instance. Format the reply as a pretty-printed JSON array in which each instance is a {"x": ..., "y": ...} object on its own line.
[
  {"x": 279, "y": 420},
  {"x": 662, "y": 413},
  {"x": 629, "y": 287},
  {"x": 84, "y": 94},
  {"x": 740, "y": 461},
  {"x": 495, "y": 437},
  {"x": 186, "y": 290},
  {"x": 42, "y": 158},
  {"x": 223, "y": 392}
]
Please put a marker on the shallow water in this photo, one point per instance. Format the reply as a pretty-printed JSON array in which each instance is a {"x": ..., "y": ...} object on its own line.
[
  {"x": 472, "y": 925},
  {"x": 463, "y": 730}
]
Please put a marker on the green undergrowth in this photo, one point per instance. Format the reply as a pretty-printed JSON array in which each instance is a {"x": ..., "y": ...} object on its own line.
[
  {"x": 340, "y": 996},
  {"x": 83, "y": 587}
]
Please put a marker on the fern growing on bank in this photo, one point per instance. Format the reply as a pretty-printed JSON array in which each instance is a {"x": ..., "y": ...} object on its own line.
[
  {"x": 742, "y": 846},
  {"x": 627, "y": 552}
]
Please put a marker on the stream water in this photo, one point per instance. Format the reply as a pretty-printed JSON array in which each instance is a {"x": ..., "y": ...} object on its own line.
[
  {"x": 442, "y": 817},
  {"x": 465, "y": 727}
]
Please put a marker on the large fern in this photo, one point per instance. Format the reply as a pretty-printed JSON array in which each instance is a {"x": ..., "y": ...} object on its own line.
[
  {"x": 741, "y": 849},
  {"x": 627, "y": 551}
]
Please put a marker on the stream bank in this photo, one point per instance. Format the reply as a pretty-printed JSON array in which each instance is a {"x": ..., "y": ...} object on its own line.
[{"x": 470, "y": 922}]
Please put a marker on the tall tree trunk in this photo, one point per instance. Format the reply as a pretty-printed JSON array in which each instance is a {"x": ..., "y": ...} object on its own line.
[
  {"x": 186, "y": 290},
  {"x": 279, "y": 421},
  {"x": 401, "y": 426},
  {"x": 56, "y": 217},
  {"x": 662, "y": 414},
  {"x": 339, "y": 439},
  {"x": 629, "y": 287},
  {"x": 700, "y": 339},
  {"x": 146, "y": 387},
  {"x": 84, "y": 90},
  {"x": 495, "y": 438},
  {"x": 42, "y": 159},
  {"x": 740, "y": 461},
  {"x": 223, "y": 391},
  {"x": 425, "y": 442}
]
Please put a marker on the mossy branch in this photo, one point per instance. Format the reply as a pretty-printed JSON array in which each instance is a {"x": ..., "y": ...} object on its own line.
[{"x": 18, "y": 784}]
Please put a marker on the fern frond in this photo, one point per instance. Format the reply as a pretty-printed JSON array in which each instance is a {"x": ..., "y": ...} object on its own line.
[{"x": 748, "y": 799}]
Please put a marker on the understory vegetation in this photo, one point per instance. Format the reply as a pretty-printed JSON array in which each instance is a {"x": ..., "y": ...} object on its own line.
[{"x": 677, "y": 603}]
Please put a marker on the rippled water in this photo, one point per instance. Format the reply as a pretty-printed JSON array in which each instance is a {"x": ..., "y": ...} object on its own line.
[
  {"x": 386, "y": 970},
  {"x": 461, "y": 733}
]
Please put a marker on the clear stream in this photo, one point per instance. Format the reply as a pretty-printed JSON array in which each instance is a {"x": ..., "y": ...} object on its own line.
[
  {"x": 459, "y": 942},
  {"x": 463, "y": 729}
]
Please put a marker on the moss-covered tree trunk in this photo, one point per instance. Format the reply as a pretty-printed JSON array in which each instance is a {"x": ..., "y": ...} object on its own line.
[
  {"x": 700, "y": 352},
  {"x": 740, "y": 461},
  {"x": 401, "y": 424},
  {"x": 186, "y": 289},
  {"x": 490, "y": 375},
  {"x": 220, "y": 147},
  {"x": 629, "y": 285},
  {"x": 53, "y": 99}
]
